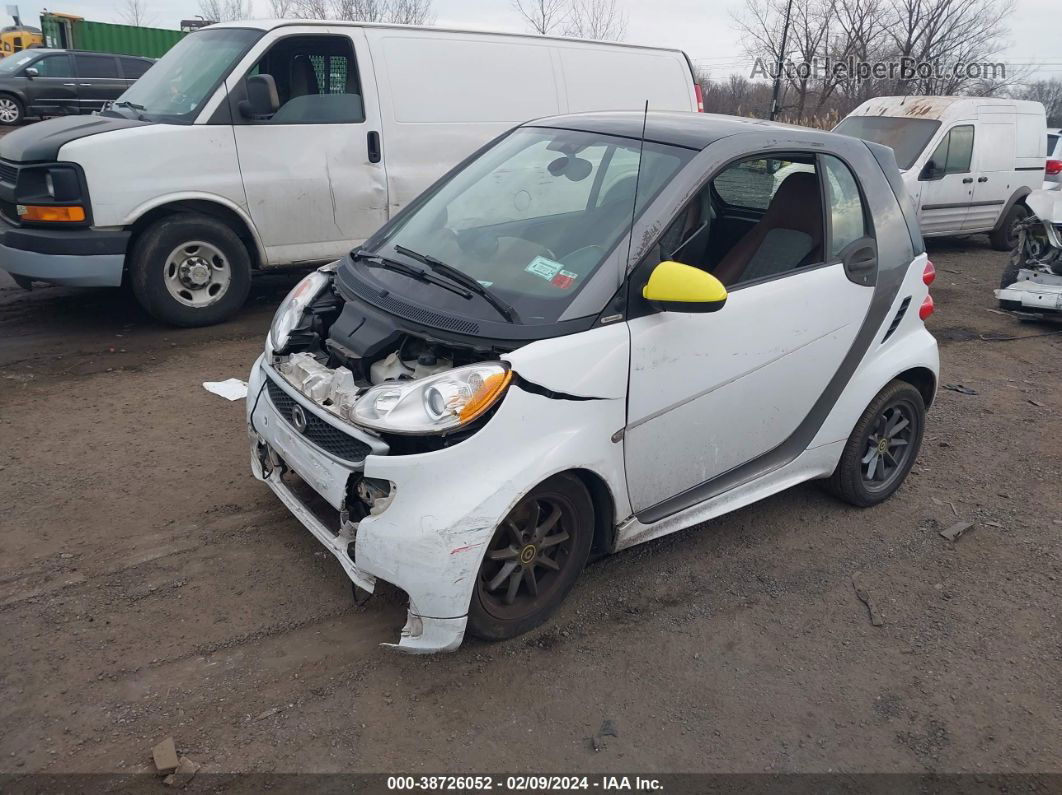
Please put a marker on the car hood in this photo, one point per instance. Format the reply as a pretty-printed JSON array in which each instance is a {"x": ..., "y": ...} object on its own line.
[{"x": 42, "y": 141}]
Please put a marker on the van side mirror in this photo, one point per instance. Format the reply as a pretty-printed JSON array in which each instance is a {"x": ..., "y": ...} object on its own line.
[
  {"x": 262, "y": 99},
  {"x": 929, "y": 171},
  {"x": 31, "y": 72},
  {"x": 675, "y": 287}
]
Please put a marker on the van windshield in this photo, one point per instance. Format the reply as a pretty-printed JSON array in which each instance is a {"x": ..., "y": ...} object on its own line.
[
  {"x": 907, "y": 137},
  {"x": 175, "y": 88},
  {"x": 13, "y": 63},
  {"x": 531, "y": 220}
]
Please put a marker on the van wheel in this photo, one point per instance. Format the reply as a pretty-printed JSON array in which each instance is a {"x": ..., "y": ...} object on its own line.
[
  {"x": 11, "y": 111},
  {"x": 882, "y": 448},
  {"x": 533, "y": 560},
  {"x": 190, "y": 270},
  {"x": 1005, "y": 236}
]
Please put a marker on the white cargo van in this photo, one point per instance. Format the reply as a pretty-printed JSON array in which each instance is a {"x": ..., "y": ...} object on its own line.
[
  {"x": 259, "y": 144},
  {"x": 968, "y": 162}
]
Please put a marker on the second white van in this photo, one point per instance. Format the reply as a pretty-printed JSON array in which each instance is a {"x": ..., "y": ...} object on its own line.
[
  {"x": 253, "y": 145},
  {"x": 967, "y": 162}
]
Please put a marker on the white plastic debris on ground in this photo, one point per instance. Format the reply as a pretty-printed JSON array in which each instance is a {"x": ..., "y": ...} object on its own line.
[{"x": 231, "y": 389}]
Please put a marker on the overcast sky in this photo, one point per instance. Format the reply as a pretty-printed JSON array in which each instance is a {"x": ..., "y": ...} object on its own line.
[{"x": 703, "y": 29}]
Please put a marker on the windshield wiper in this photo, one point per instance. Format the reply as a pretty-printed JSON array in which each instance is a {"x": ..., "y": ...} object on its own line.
[
  {"x": 407, "y": 270},
  {"x": 505, "y": 309},
  {"x": 125, "y": 103}
]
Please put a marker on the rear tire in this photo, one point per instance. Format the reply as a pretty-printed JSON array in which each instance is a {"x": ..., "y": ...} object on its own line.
[
  {"x": 11, "y": 110},
  {"x": 190, "y": 270},
  {"x": 1005, "y": 237},
  {"x": 533, "y": 559},
  {"x": 882, "y": 448}
]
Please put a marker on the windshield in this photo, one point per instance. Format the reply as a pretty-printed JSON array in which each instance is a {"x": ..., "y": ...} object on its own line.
[
  {"x": 13, "y": 63},
  {"x": 531, "y": 220},
  {"x": 907, "y": 137},
  {"x": 175, "y": 88}
]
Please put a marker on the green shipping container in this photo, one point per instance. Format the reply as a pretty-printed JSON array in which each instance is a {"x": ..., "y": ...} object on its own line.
[{"x": 67, "y": 32}]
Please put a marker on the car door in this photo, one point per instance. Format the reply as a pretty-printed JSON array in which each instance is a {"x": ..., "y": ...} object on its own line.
[
  {"x": 313, "y": 171},
  {"x": 98, "y": 80},
  {"x": 947, "y": 184},
  {"x": 995, "y": 178},
  {"x": 53, "y": 89},
  {"x": 132, "y": 69},
  {"x": 711, "y": 392}
]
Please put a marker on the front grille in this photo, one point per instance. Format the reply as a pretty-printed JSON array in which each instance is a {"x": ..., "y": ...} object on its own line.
[
  {"x": 326, "y": 436},
  {"x": 9, "y": 211},
  {"x": 8, "y": 172}
]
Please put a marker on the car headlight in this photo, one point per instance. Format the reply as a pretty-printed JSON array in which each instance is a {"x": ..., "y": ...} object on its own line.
[
  {"x": 435, "y": 404},
  {"x": 291, "y": 309}
]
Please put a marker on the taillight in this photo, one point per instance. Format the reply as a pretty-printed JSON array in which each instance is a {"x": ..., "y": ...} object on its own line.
[
  {"x": 929, "y": 275},
  {"x": 1053, "y": 166},
  {"x": 926, "y": 309},
  {"x": 700, "y": 109}
]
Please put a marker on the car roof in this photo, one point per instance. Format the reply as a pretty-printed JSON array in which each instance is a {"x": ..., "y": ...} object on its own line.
[{"x": 677, "y": 128}]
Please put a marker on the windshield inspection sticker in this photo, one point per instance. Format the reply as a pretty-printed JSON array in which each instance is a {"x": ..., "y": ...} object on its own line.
[
  {"x": 546, "y": 268},
  {"x": 564, "y": 279}
]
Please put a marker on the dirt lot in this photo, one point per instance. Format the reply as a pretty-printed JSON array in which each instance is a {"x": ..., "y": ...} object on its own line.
[{"x": 150, "y": 587}]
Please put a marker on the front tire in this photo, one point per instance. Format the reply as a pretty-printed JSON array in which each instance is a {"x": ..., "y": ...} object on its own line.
[
  {"x": 1005, "y": 236},
  {"x": 533, "y": 559},
  {"x": 882, "y": 448},
  {"x": 11, "y": 110},
  {"x": 190, "y": 270}
]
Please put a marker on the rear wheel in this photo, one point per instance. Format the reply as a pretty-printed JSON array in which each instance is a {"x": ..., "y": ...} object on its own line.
[
  {"x": 1005, "y": 236},
  {"x": 190, "y": 270},
  {"x": 882, "y": 448},
  {"x": 533, "y": 559},
  {"x": 11, "y": 110}
]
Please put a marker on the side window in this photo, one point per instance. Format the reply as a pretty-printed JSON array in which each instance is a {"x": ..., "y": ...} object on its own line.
[
  {"x": 759, "y": 218},
  {"x": 955, "y": 150},
  {"x": 54, "y": 66},
  {"x": 316, "y": 78},
  {"x": 99, "y": 66},
  {"x": 132, "y": 68},
  {"x": 847, "y": 218}
]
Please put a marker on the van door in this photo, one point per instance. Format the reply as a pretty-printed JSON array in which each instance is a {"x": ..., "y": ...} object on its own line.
[
  {"x": 948, "y": 187},
  {"x": 996, "y": 178},
  {"x": 313, "y": 170}
]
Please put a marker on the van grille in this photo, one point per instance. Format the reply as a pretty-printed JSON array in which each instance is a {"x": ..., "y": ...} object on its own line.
[
  {"x": 8, "y": 172},
  {"x": 326, "y": 436}
]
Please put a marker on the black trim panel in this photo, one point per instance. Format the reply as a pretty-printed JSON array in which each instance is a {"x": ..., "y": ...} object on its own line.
[
  {"x": 1030, "y": 168},
  {"x": 960, "y": 204}
]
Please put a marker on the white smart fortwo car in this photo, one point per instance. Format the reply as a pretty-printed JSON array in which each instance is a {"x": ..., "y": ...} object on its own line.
[{"x": 587, "y": 335}]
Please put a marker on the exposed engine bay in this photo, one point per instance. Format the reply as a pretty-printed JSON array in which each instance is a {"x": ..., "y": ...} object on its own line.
[
  {"x": 338, "y": 350},
  {"x": 1031, "y": 285}
]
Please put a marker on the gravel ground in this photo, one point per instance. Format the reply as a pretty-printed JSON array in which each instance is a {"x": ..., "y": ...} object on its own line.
[{"x": 150, "y": 587}]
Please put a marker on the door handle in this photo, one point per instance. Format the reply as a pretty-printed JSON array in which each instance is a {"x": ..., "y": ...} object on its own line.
[
  {"x": 69, "y": 84},
  {"x": 84, "y": 84},
  {"x": 982, "y": 179},
  {"x": 373, "y": 140},
  {"x": 967, "y": 181}
]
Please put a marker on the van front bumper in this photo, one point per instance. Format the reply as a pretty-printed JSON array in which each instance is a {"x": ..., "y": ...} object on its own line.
[{"x": 75, "y": 257}]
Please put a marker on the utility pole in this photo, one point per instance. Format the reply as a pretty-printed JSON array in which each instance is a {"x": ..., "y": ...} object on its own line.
[{"x": 778, "y": 66}]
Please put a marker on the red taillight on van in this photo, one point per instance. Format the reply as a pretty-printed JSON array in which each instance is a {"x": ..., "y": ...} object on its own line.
[
  {"x": 700, "y": 104},
  {"x": 926, "y": 309},
  {"x": 929, "y": 275},
  {"x": 1053, "y": 166}
]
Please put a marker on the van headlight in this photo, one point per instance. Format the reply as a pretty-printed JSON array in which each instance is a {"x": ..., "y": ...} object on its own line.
[
  {"x": 435, "y": 404},
  {"x": 291, "y": 309}
]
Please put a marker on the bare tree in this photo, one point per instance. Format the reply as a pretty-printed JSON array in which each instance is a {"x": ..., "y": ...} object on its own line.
[
  {"x": 542, "y": 16},
  {"x": 411, "y": 12},
  {"x": 279, "y": 9},
  {"x": 596, "y": 19},
  {"x": 1048, "y": 92},
  {"x": 134, "y": 12},
  {"x": 404, "y": 12},
  {"x": 226, "y": 10}
]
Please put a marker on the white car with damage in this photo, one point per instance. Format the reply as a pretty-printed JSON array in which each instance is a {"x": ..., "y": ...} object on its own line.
[{"x": 598, "y": 329}]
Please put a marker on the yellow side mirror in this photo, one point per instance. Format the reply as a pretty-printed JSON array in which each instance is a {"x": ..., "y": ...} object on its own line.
[{"x": 675, "y": 287}]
